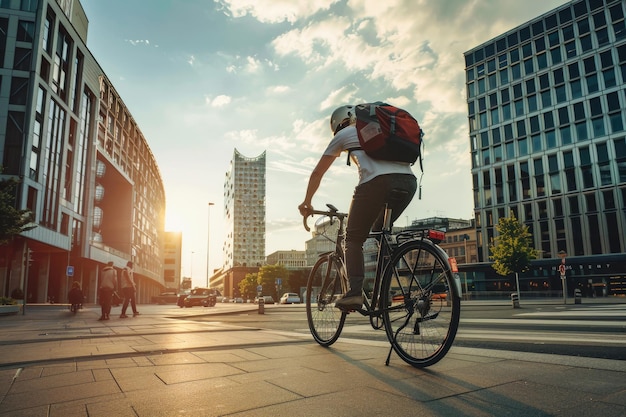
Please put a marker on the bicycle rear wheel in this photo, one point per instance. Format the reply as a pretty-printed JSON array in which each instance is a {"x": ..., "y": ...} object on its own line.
[
  {"x": 322, "y": 290},
  {"x": 422, "y": 309}
]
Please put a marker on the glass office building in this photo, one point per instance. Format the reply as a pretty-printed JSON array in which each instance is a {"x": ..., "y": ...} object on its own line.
[{"x": 547, "y": 122}]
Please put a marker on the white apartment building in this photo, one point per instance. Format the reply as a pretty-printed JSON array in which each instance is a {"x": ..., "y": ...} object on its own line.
[{"x": 244, "y": 212}]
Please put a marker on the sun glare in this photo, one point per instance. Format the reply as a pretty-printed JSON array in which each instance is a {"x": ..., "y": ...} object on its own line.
[{"x": 173, "y": 222}]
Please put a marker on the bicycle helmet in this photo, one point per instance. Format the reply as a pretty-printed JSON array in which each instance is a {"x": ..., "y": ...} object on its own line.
[{"x": 342, "y": 116}]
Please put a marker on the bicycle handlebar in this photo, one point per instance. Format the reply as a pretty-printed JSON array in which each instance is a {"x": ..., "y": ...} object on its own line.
[{"x": 332, "y": 212}]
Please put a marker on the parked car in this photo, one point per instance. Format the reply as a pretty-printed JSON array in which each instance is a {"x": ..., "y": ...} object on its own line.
[
  {"x": 168, "y": 297},
  {"x": 237, "y": 300},
  {"x": 181, "y": 298},
  {"x": 267, "y": 299},
  {"x": 206, "y": 297},
  {"x": 290, "y": 298}
]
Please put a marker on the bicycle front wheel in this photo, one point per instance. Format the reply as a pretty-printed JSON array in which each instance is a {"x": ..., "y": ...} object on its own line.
[
  {"x": 422, "y": 308},
  {"x": 322, "y": 290}
]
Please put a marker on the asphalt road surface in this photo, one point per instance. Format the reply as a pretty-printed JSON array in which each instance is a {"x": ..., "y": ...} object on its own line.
[{"x": 589, "y": 329}]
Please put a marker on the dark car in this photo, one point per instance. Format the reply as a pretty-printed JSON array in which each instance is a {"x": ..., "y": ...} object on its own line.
[
  {"x": 206, "y": 297},
  {"x": 168, "y": 297},
  {"x": 181, "y": 299}
]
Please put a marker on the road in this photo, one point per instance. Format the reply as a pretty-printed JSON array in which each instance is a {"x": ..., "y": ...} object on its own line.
[{"x": 590, "y": 329}]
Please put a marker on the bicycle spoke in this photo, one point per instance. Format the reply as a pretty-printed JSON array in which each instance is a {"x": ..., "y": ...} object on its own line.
[
  {"x": 422, "y": 310},
  {"x": 324, "y": 287}
]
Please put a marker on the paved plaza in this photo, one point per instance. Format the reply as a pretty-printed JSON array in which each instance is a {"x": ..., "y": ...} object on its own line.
[{"x": 55, "y": 364}]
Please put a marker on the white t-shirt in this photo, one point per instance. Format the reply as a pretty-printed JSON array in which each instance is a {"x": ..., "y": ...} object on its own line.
[{"x": 369, "y": 168}]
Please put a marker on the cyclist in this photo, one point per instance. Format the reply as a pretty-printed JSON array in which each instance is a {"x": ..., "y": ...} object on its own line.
[{"x": 377, "y": 179}]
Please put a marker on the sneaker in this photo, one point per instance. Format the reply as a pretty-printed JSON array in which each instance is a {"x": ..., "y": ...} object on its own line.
[
  {"x": 354, "y": 302},
  {"x": 135, "y": 314},
  {"x": 123, "y": 316}
]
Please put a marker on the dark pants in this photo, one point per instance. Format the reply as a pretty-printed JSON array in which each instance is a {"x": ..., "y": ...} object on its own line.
[
  {"x": 105, "y": 301},
  {"x": 129, "y": 296},
  {"x": 366, "y": 214}
]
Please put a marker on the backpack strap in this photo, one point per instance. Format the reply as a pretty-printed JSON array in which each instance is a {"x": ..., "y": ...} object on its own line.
[{"x": 350, "y": 150}]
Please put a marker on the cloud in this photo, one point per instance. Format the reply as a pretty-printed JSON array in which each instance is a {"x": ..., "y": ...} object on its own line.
[
  {"x": 338, "y": 97},
  {"x": 275, "y": 11},
  {"x": 140, "y": 42},
  {"x": 219, "y": 101},
  {"x": 276, "y": 143},
  {"x": 278, "y": 89}
]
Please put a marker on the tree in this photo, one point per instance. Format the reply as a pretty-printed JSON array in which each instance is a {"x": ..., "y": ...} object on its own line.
[
  {"x": 268, "y": 274},
  {"x": 511, "y": 250},
  {"x": 12, "y": 221},
  {"x": 298, "y": 279},
  {"x": 247, "y": 286}
]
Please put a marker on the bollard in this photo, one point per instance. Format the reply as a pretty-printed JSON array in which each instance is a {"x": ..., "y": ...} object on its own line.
[
  {"x": 577, "y": 296},
  {"x": 515, "y": 300},
  {"x": 261, "y": 305}
]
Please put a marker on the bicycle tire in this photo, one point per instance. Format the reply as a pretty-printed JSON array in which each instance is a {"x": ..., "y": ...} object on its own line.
[
  {"x": 322, "y": 290},
  {"x": 422, "y": 306}
]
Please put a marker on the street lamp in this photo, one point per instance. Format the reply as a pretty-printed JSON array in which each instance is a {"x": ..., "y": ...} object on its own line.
[
  {"x": 191, "y": 267},
  {"x": 208, "y": 241}
]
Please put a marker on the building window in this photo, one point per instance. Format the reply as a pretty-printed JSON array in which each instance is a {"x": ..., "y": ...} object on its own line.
[
  {"x": 62, "y": 64},
  {"x": 595, "y": 236},
  {"x": 559, "y": 226},
  {"x": 566, "y": 135},
  {"x": 540, "y": 185},
  {"x": 577, "y": 236},
  {"x": 19, "y": 91},
  {"x": 612, "y": 224},
  {"x": 555, "y": 176},
  {"x": 570, "y": 173},
  {"x": 525, "y": 180},
  {"x": 592, "y": 83},
  {"x": 522, "y": 147},
  {"x": 25, "y": 31},
  {"x": 620, "y": 157},
  {"x": 511, "y": 182}
]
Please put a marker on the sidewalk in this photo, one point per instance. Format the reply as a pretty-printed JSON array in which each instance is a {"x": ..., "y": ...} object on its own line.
[{"x": 53, "y": 364}]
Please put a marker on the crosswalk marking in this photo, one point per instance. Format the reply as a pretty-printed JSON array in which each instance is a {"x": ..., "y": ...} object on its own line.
[{"x": 540, "y": 336}]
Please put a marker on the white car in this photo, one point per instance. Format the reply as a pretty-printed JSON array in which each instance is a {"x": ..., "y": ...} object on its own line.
[{"x": 290, "y": 298}]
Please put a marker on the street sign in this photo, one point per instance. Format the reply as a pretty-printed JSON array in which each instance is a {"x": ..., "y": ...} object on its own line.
[
  {"x": 259, "y": 288},
  {"x": 70, "y": 271},
  {"x": 279, "y": 281}
]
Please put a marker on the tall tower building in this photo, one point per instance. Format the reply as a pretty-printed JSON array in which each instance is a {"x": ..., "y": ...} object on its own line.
[
  {"x": 547, "y": 116},
  {"x": 244, "y": 211}
]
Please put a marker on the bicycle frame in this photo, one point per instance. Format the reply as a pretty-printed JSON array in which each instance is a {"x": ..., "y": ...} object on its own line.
[
  {"x": 415, "y": 295},
  {"x": 385, "y": 240}
]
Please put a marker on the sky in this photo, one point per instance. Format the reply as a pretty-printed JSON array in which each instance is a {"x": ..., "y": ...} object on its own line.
[{"x": 205, "y": 77}]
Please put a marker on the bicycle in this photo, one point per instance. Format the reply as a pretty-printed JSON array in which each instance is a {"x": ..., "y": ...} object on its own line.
[{"x": 416, "y": 295}]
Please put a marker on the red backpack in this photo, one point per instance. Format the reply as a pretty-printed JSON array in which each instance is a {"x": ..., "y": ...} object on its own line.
[{"x": 389, "y": 133}]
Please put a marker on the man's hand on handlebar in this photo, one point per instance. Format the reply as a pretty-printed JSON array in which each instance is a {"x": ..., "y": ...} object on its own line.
[{"x": 306, "y": 209}]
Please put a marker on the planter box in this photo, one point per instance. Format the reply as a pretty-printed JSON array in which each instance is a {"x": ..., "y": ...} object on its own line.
[{"x": 6, "y": 310}]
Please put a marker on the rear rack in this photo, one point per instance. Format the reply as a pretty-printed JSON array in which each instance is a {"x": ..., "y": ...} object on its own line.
[{"x": 436, "y": 236}]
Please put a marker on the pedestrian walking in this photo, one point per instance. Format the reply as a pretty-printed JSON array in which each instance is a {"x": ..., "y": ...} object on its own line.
[
  {"x": 108, "y": 283},
  {"x": 129, "y": 288}
]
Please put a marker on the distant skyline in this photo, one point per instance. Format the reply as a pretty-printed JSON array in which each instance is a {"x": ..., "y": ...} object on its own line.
[{"x": 203, "y": 77}]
